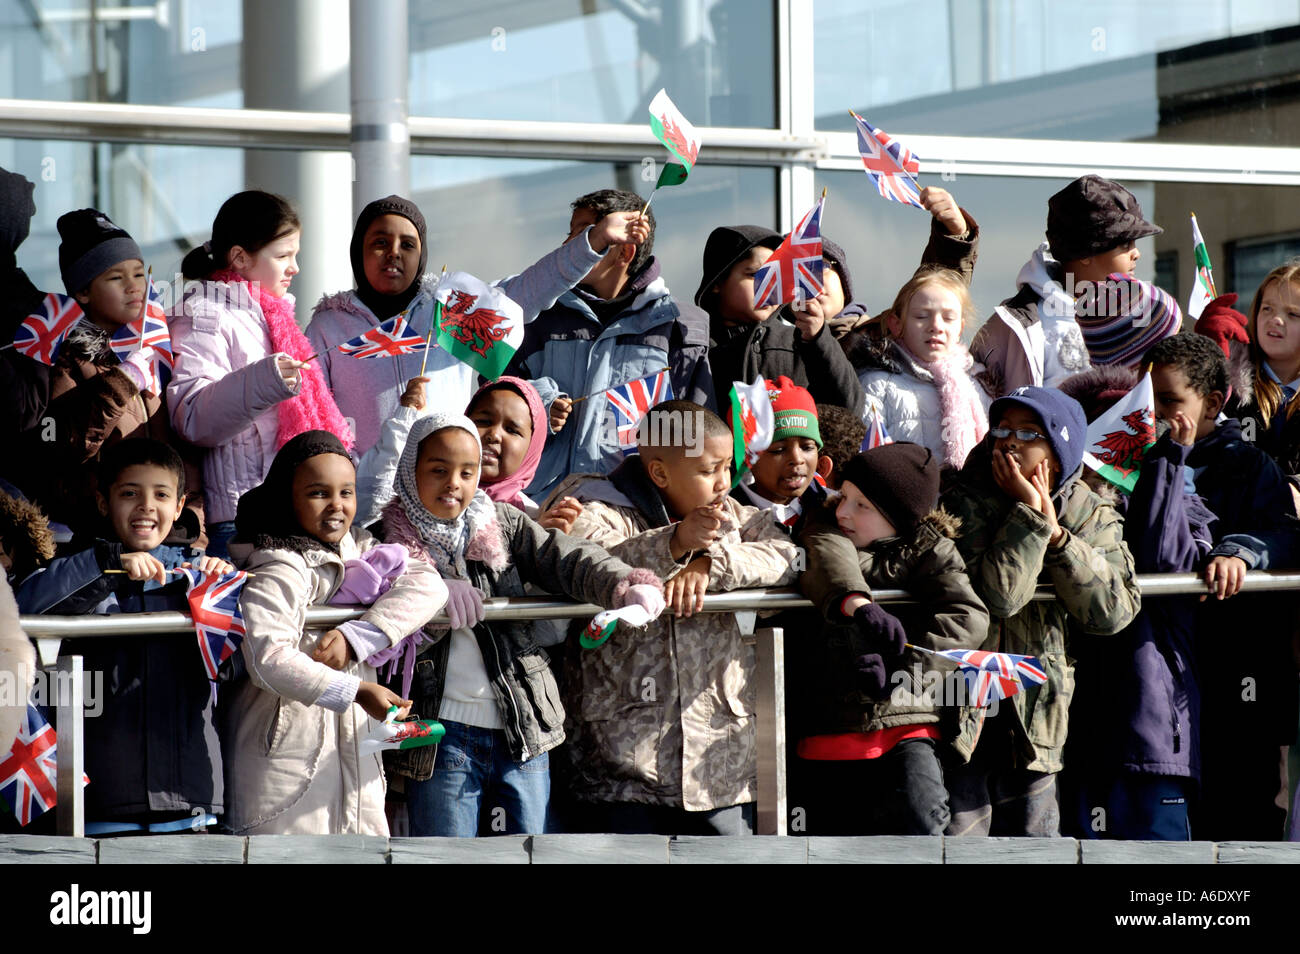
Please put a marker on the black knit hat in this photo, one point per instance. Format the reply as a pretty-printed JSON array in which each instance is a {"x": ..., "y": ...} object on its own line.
[
  {"x": 901, "y": 479},
  {"x": 385, "y": 306},
  {"x": 91, "y": 245},
  {"x": 834, "y": 254},
  {"x": 16, "y": 211},
  {"x": 265, "y": 516},
  {"x": 1093, "y": 215},
  {"x": 725, "y": 245}
]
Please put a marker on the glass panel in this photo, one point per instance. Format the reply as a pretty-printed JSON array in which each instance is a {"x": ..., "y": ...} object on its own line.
[
  {"x": 1216, "y": 71},
  {"x": 176, "y": 53},
  {"x": 1250, "y": 260},
  {"x": 583, "y": 61},
  {"x": 495, "y": 217}
]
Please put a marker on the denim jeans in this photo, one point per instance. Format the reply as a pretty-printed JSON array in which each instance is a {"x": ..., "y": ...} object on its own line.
[{"x": 477, "y": 788}]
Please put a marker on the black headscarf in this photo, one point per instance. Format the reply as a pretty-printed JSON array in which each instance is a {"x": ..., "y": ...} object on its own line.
[
  {"x": 265, "y": 513},
  {"x": 16, "y": 211},
  {"x": 385, "y": 306}
]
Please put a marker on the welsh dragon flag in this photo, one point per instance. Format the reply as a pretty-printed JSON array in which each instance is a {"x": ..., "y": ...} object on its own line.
[
  {"x": 673, "y": 130},
  {"x": 477, "y": 323},
  {"x": 1203, "y": 291},
  {"x": 1118, "y": 439},
  {"x": 411, "y": 734},
  {"x": 752, "y": 424}
]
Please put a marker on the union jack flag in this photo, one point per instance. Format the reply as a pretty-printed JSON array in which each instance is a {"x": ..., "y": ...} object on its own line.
[
  {"x": 877, "y": 436},
  {"x": 387, "y": 340},
  {"x": 992, "y": 676},
  {"x": 148, "y": 333},
  {"x": 214, "y": 604},
  {"x": 631, "y": 401},
  {"x": 795, "y": 268},
  {"x": 28, "y": 774},
  {"x": 41, "y": 335},
  {"x": 890, "y": 164}
]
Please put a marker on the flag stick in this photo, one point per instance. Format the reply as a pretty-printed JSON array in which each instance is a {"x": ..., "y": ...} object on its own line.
[
  {"x": 178, "y": 570},
  {"x": 900, "y": 168},
  {"x": 613, "y": 386},
  {"x": 433, "y": 324},
  {"x": 649, "y": 200}
]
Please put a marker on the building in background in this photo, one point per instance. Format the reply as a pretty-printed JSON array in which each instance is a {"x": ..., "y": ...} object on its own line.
[{"x": 156, "y": 112}]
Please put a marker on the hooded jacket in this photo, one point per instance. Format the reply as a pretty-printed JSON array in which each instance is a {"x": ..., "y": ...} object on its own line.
[
  {"x": 666, "y": 716},
  {"x": 1032, "y": 338},
  {"x": 947, "y": 614},
  {"x": 1005, "y": 546}
]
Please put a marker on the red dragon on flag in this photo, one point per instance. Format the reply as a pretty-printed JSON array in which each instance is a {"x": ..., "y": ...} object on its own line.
[
  {"x": 1123, "y": 449},
  {"x": 480, "y": 328}
]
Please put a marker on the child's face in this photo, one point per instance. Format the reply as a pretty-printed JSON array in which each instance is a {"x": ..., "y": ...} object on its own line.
[
  {"x": 930, "y": 326},
  {"x": 272, "y": 267},
  {"x": 686, "y": 482},
  {"x": 141, "y": 505},
  {"x": 325, "y": 496},
  {"x": 859, "y": 519},
  {"x": 505, "y": 427},
  {"x": 116, "y": 296},
  {"x": 736, "y": 291},
  {"x": 390, "y": 254},
  {"x": 1095, "y": 268},
  {"x": 785, "y": 469},
  {"x": 832, "y": 296},
  {"x": 1173, "y": 393},
  {"x": 446, "y": 472},
  {"x": 1025, "y": 454},
  {"x": 1277, "y": 325}
]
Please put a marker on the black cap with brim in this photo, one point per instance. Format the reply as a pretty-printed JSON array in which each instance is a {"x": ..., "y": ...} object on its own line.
[{"x": 725, "y": 246}]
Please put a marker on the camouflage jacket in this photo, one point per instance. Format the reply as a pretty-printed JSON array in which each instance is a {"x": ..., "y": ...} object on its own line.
[
  {"x": 821, "y": 666},
  {"x": 1004, "y": 544},
  {"x": 666, "y": 716}
]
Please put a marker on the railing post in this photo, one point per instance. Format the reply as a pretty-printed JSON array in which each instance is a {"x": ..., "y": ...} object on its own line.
[
  {"x": 769, "y": 670},
  {"x": 70, "y": 813}
]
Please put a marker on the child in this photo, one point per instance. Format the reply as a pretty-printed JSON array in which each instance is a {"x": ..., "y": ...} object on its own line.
[
  {"x": 1248, "y": 691},
  {"x": 921, "y": 376},
  {"x": 620, "y": 323},
  {"x": 1266, "y": 404},
  {"x": 1140, "y": 759},
  {"x": 389, "y": 253},
  {"x": 867, "y": 720},
  {"x": 489, "y": 684},
  {"x": 240, "y": 386},
  {"x": 1032, "y": 338},
  {"x": 663, "y": 721},
  {"x": 292, "y": 757},
  {"x": 786, "y": 475},
  {"x": 1025, "y": 518},
  {"x": 94, "y": 400},
  {"x": 153, "y": 752},
  {"x": 842, "y": 437}
]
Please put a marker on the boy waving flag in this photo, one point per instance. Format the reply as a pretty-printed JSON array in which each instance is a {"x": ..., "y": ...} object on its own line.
[{"x": 478, "y": 324}]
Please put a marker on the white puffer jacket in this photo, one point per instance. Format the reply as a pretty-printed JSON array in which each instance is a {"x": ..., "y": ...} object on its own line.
[{"x": 224, "y": 389}]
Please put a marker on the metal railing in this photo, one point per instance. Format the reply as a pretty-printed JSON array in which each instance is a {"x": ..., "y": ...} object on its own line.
[{"x": 49, "y": 631}]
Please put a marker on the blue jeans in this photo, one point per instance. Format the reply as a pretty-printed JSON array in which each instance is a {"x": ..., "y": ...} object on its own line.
[{"x": 477, "y": 788}]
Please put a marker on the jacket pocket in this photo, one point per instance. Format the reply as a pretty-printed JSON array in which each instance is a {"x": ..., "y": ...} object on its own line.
[
  {"x": 274, "y": 730},
  {"x": 540, "y": 690},
  {"x": 1049, "y": 720}
]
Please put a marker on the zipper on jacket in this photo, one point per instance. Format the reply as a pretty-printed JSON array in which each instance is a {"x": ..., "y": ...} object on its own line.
[{"x": 513, "y": 706}]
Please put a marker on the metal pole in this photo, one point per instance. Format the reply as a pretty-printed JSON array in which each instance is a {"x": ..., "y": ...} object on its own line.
[
  {"x": 769, "y": 714},
  {"x": 381, "y": 139},
  {"x": 70, "y": 812}
]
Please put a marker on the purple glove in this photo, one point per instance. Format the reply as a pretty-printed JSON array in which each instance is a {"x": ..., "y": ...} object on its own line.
[
  {"x": 464, "y": 604},
  {"x": 370, "y": 577},
  {"x": 650, "y": 598},
  {"x": 871, "y": 675},
  {"x": 884, "y": 633}
]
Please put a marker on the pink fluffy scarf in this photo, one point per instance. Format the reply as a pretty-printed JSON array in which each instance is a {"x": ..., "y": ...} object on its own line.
[
  {"x": 965, "y": 421},
  {"x": 314, "y": 408}
]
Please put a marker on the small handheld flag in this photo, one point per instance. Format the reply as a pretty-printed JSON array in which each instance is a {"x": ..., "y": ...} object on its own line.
[
  {"x": 992, "y": 676},
  {"x": 149, "y": 334},
  {"x": 391, "y": 735},
  {"x": 752, "y": 425},
  {"x": 877, "y": 436},
  {"x": 1118, "y": 439},
  {"x": 389, "y": 339},
  {"x": 479, "y": 324},
  {"x": 1203, "y": 290},
  {"x": 29, "y": 773},
  {"x": 218, "y": 622},
  {"x": 602, "y": 625},
  {"x": 632, "y": 400},
  {"x": 891, "y": 165},
  {"x": 677, "y": 134},
  {"x": 795, "y": 269},
  {"x": 41, "y": 335}
]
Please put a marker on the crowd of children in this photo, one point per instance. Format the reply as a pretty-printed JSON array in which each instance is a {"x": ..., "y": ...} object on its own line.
[{"x": 417, "y": 491}]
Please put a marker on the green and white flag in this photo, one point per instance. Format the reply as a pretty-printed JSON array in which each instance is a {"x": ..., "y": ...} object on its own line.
[
  {"x": 411, "y": 734},
  {"x": 1203, "y": 291},
  {"x": 752, "y": 425},
  {"x": 675, "y": 131},
  {"x": 1119, "y": 438},
  {"x": 477, "y": 323}
]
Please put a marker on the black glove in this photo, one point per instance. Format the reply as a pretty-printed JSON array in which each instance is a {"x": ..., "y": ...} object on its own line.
[
  {"x": 883, "y": 632},
  {"x": 871, "y": 675}
]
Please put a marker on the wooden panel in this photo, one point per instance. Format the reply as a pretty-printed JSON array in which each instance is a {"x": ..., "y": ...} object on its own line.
[
  {"x": 742, "y": 850},
  {"x": 1010, "y": 851},
  {"x": 878, "y": 850},
  {"x": 600, "y": 849},
  {"x": 172, "y": 850},
  {"x": 1146, "y": 852},
  {"x": 46, "y": 850},
  {"x": 498, "y": 850},
  {"x": 317, "y": 849}
]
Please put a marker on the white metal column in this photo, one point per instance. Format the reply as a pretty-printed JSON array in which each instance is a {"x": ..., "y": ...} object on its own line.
[{"x": 379, "y": 66}]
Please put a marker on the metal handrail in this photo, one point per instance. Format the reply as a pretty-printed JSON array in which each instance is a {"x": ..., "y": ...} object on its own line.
[{"x": 546, "y": 607}]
